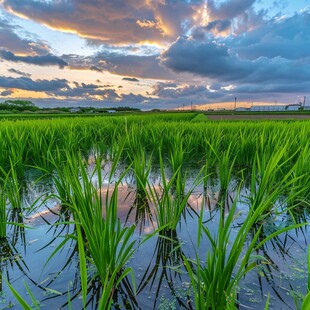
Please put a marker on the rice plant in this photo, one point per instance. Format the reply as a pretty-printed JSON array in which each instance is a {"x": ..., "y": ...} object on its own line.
[
  {"x": 3, "y": 213},
  {"x": 102, "y": 242},
  {"x": 170, "y": 202},
  {"x": 215, "y": 283}
]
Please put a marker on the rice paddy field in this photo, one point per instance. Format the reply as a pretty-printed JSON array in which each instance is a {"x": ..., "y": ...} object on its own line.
[{"x": 154, "y": 211}]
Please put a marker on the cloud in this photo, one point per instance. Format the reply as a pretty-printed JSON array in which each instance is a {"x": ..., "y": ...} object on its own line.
[
  {"x": 121, "y": 64},
  {"x": 26, "y": 83},
  {"x": 210, "y": 58},
  {"x": 6, "y": 93},
  {"x": 228, "y": 9},
  {"x": 129, "y": 79},
  {"x": 266, "y": 57},
  {"x": 194, "y": 92},
  {"x": 94, "y": 68},
  {"x": 86, "y": 91},
  {"x": 12, "y": 70},
  {"x": 216, "y": 27},
  {"x": 133, "y": 99},
  {"x": 46, "y": 60},
  {"x": 114, "y": 22},
  {"x": 10, "y": 40},
  {"x": 288, "y": 38}
]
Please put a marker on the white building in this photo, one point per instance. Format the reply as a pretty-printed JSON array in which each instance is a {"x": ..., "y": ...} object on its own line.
[
  {"x": 268, "y": 108},
  {"x": 289, "y": 107}
]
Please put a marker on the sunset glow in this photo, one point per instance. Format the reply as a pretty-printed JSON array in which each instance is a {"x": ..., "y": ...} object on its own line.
[{"x": 154, "y": 54}]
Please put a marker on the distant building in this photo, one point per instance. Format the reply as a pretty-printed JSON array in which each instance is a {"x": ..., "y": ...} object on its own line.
[
  {"x": 268, "y": 108},
  {"x": 242, "y": 109},
  {"x": 288, "y": 107},
  {"x": 292, "y": 107},
  {"x": 75, "y": 109}
]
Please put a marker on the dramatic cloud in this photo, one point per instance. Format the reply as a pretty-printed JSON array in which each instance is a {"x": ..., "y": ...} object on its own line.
[
  {"x": 288, "y": 38},
  {"x": 122, "y": 64},
  {"x": 129, "y": 79},
  {"x": 171, "y": 52},
  {"x": 46, "y": 60},
  {"x": 86, "y": 93},
  {"x": 33, "y": 85},
  {"x": 111, "y": 21},
  {"x": 10, "y": 40},
  {"x": 277, "y": 53},
  {"x": 206, "y": 58},
  {"x": 12, "y": 70}
]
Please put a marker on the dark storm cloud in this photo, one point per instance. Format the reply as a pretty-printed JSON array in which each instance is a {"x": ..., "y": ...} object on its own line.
[
  {"x": 26, "y": 83},
  {"x": 12, "y": 70},
  {"x": 45, "y": 60},
  {"x": 129, "y": 79},
  {"x": 10, "y": 40}
]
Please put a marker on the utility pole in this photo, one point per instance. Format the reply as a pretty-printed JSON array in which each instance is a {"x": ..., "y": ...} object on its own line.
[
  {"x": 235, "y": 103},
  {"x": 304, "y": 103},
  {"x": 192, "y": 105}
]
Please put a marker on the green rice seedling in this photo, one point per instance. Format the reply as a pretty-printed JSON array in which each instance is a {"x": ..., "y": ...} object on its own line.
[
  {"x": 3, "y": 214},
  {"x": 102, "y": 242},
  {"x": 305, "y": 304},
  {"x": 141, "y": 168},
  {"x": 266, "y": 187},
  {"x": 10, "y": 200},
  {"x": 177, "y": 157},
  {"x": 16, "y": 148},
  {"x": 225, "y": 169},
  {"x": 22, "y": 301},
  {"x": 215, "y": 283},
  {"x": 143, "y": 212},
  {"x": 170, "y": 203},
  {"x": 42, "y": 144},
  {"x": 298, "y": 194}
]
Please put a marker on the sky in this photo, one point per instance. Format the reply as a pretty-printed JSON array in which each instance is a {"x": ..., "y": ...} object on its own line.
[{"x": 148, "y": 54}]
